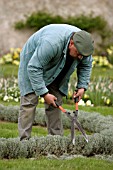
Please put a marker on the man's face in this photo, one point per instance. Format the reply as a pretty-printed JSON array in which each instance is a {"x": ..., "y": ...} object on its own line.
[{"x": 73, "y": 51}]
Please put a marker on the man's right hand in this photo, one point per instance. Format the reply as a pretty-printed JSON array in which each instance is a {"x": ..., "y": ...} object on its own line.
[{"x": 50, "y": 99}]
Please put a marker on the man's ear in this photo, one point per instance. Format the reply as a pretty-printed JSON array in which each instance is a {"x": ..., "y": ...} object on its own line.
[{"x": 71, "y": 43}]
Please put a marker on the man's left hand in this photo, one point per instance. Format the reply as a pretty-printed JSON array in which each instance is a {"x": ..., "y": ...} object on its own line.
[{"x": 79, "y": 93}]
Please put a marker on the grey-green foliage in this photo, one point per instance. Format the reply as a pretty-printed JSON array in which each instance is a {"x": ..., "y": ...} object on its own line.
[
  {"x": 9, "y": 113},
  {"x": 40, "y": 118},
  {"x": 93, "y": 122},
  {"x": 98, "y": 144},
  {"x": 12, "y": 148},
  {"x": 56, "y": 145}
]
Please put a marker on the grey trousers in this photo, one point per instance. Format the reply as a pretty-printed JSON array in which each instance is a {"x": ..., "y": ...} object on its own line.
[{"x": 28, "y": 104}]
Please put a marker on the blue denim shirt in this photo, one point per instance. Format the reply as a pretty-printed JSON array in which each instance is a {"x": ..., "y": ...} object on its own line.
[{"x": 43, "y": 57}]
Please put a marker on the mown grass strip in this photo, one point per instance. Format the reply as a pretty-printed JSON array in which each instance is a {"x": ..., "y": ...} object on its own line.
[
  {"x": 54, "y": 164},
  {"x": 10, "y": 130}
]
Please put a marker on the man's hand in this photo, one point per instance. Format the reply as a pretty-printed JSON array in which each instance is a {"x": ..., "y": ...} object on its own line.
[
  {"x": 79, "y": 93},
  {"x": 50, "y": 99}
]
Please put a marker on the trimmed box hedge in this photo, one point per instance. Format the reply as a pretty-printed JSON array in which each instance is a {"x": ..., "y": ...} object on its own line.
[
  {"x": 55, "y": 145},
  {"x": 93, "y": 122}
]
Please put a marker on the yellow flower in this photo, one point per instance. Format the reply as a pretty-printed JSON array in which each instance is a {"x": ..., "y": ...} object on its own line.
[
  {"x": 16, "y": 55},
  {"x": 16, "y": 62},
  {"x": 108, "y": 101},
  {"x": 86, "y": 96},
  {"x": 95, "y": 58},
  {"x": 41, "y": 100},
  {"x": 109, "y": 51},
  {"x": 8, "y": 58},
  {"x": 70, "y": 93},
  {"x": 18, "y": 50},
  {"x": 93, "y": 63},
  {"x": 110, "y": 65},
  {"x": 2, "y": 61}
]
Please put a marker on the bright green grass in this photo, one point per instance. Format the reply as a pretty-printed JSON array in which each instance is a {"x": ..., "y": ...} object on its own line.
[
  {"x": 102, "y": 72},
  {"x": 8, "y": 70},
  {"x": 54, "y": 164},
  {"x": 104, "y": 110},
  {"x": 98, "y": 72},
  {"x": 10, "y": 130},
  {"x": 12, "y": 70}
]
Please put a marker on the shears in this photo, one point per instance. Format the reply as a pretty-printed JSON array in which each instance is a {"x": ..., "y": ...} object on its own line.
[{"x": 74, "y": 121}]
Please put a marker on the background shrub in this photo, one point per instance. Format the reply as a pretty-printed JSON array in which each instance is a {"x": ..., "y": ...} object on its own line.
[
  {"x": 40, "y": 19},
  {"x": 88, "y": 23}
]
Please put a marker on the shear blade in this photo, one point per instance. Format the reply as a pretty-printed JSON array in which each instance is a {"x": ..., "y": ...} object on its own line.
[
  {"x": 81, "y": 129},
  {"x": 73, "y": 132}
]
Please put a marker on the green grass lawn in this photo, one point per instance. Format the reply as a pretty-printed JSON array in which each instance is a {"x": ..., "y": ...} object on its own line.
[
  {"x": 12, "y": 70},
  {"x": 10, "y": 130},
  {"x": 8, "y": 70},
  {"x": 102, "y": 72},
  {"x": 104, "y": 110},
  {"x": 55, "y": 164}
]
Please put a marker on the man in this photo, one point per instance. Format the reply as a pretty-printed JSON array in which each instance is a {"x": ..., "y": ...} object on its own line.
[{"x": 47, "y": 61}]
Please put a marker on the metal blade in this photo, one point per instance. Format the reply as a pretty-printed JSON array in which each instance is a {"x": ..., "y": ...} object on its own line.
[
  {"x": 80, "y": 128},
  {"x": 72, "y": 132}
]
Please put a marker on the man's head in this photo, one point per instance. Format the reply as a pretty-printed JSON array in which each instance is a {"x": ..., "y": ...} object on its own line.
[{"x": 83, "y": 43}]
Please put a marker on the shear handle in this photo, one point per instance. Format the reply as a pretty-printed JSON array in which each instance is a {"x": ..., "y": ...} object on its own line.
[
  {"x": 76, "y": 100},
  {"x": 60, "y": 107}
]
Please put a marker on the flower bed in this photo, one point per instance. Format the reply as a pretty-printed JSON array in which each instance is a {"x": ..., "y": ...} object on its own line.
[
  {"x": 100, "y": 92},
  {"x": 12, "y": 57}
]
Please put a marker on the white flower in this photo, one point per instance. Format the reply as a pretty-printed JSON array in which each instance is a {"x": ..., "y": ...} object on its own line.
[
  {"x": 81, "y": 102},
  {"x": 5, "y": 98},
  {"x": 10, "y": 98},
  {"x": 16, "y": 99},
  {"x": 88, "y": 103}
]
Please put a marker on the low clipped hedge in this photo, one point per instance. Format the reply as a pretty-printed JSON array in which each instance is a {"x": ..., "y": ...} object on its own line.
[
  {"x": 57, "y": 145},
  {"x": 100, "y": 142},
  {"x": 93, "y": 122},
  {"x": 10, "y": 114}
]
